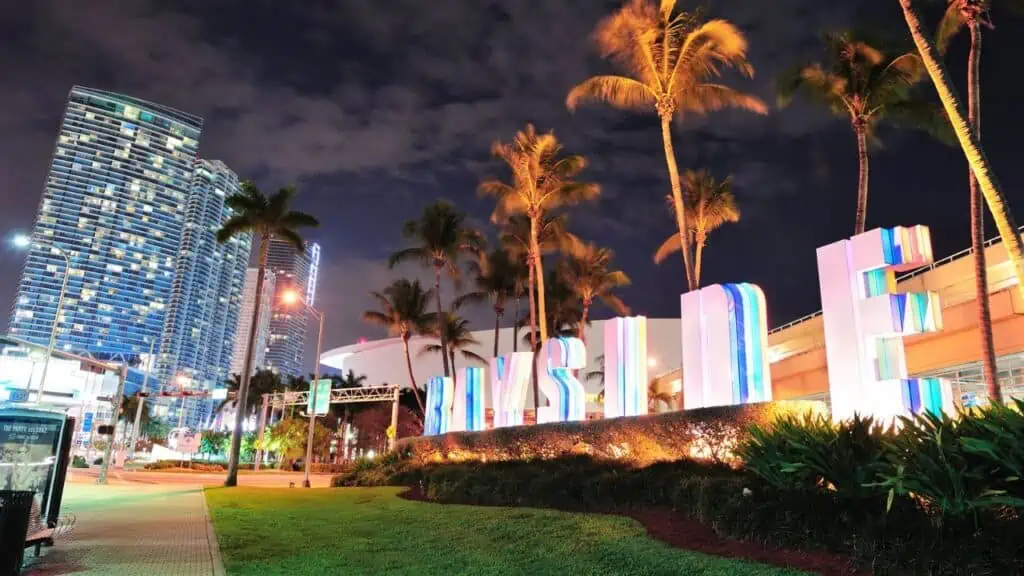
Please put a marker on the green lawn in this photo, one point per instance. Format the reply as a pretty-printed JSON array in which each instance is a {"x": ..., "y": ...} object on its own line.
[{"x": 372, "y": 531}]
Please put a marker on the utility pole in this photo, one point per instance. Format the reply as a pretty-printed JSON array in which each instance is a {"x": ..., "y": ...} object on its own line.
[
  {"x": 312, "y": 392},
  {"x": 113, "y": 433},
  {"x": 394, "y": 421},
  {"x": 141, "y": 400}
]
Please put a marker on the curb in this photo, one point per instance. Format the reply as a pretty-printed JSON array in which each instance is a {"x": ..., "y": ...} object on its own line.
[{"x": 211, "y": 539}]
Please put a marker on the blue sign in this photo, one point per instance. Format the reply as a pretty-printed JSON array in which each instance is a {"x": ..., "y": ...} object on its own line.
[
  {"x": 17, "y": 395},
  {"x": 87, "y": 422}
]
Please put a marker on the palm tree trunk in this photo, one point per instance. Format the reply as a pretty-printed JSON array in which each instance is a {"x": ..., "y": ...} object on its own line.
[
  {"x": 412, "y": 378},
  {"x": 862, "y": 177},
  {"x": 452, "y": 361},
  {"x": 976, "y": 159},
  {"x": 538, "y": 268},
  {"x": 533, "y": 334},
  {"x": 243, "y": 388},
  {"x": 677, "y": 199},
  {"x": 581, "y": 329},
  {"x": 988, "y": 351},
  {"x": 698, "y": 260},
  {"x": 440, "y": 320},
  {"x": 515, "y": 328},
  {"x": 497, "y": 329}
]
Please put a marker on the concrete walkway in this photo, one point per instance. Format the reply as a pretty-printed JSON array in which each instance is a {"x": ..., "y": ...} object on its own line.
[{"x": 131, "y": 528}]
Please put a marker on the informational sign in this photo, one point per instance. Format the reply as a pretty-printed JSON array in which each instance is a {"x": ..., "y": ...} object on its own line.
[
  {"x": 188, "y": 443},
  {"x": 219, "y": 394},
  {"x": 17, "y": 395},
  {"x": 29, "y": 443},
  {"x": 87, "y": 422},
  {"x": 319, "y": 397}
]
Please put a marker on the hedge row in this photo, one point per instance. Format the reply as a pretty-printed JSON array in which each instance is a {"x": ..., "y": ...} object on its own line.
[{"x": 709, "y": 434}]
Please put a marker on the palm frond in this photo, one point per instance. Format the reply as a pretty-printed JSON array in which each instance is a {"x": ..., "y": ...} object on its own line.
[
  {"x": 294, "y": 219},
  {"x": 951, "y": 25},
  {"x": 704, "y": 98},
  {"x": 291, "y": 237},
  {"x": 668, "y": 247},
  {"x": 234, "y": 226},
  {"x": 616, "y": 91},
  {"x": 416, "y": 253}
]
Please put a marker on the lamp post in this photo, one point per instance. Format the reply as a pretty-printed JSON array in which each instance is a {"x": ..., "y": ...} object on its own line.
[
  {"x": 23, "y": 241},
  {"x": 141, "y": 399},
  {"x": 292, "y": 297}
]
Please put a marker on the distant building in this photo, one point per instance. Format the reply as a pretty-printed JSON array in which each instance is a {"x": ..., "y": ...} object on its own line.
[
  {"x": 114, "y": 202},
  {"x": 245, "y": 322},
  {"x": 206, "y": 296},
  {"x": 295, "y": 271}
]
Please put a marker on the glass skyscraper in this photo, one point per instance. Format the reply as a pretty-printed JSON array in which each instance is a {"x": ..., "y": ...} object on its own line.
[
  {"x": 114, "y": 202},
  {"x": 293, "y": 271},
  {"x": 206, "y": 295}
]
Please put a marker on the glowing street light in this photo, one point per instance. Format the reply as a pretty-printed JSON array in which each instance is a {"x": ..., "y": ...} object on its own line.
[
  {"x": 291, "y": 298},
  {"x": 23, "y": 241}
]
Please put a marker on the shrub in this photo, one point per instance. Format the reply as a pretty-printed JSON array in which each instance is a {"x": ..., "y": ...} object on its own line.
[
  {"x": 79, "y": 462},
  {"x": 98, "y": 461}
]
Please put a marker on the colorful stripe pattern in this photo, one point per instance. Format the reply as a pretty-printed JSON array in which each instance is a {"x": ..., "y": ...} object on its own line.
[
  {"x": 625, "y": 367},
  {"x": 440, "y": 394},
  {"x": 468, "y": 405},
  {"x": 564, "y": 392},
  {"x": 510, "y": 381}
]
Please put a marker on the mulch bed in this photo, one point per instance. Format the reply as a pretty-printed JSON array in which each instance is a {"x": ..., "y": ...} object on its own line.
[{"x": 681, "y": 532}]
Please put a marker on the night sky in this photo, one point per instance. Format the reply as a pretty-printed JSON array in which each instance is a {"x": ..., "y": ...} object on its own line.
[{"x": 378, "y": 107}]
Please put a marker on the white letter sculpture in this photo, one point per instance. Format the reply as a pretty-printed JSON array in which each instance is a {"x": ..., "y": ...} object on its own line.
[
  {"x": 556, "y": 381},
  {"x": 725, "y": 351},
  {"x": 510, "y": 379},
  {"x": 440, "y": 394},
  {"x": 865, "y": 322},
  {"x": 625, "y": 367},
  {"x": 468, "y": 403}
]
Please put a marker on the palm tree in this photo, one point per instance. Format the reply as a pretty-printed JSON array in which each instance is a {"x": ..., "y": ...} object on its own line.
[
  {"x": 972, "y": 15},
  {"x": 496, "y": 278},
  {"x": 454, "y": 331},
  {"x": 588, "y": 274},
  {"x": 267, "y": 217},
  {"x": 403, "y": 311},
  {"x": 515, "y": 237},
  {"x": 263, "y": 381},
  {"x": 654, "y": 397},
  {"x": 669, "y": 58},
  {"x": 565, "y": 312},
  {"x": 709, "y": 204},
  {"x": 970, "y": 142},
  {"x": 864, "y": 84},
  {"x": 543, "y": 179},
  {"x": 350, "y": 380},
  {"x": 441, "y": 238}
]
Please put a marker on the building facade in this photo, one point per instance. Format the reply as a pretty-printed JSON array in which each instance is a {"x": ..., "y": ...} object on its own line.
[
  {"x": 114, "y": 204},
  {"x": 206, "y": 296},
  {"x": 245, "y": 322},
  {"x": 296, "y": 271}
]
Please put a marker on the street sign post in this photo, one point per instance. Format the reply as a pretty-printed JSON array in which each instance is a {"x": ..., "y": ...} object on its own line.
[{"x": 319, "y": 397}]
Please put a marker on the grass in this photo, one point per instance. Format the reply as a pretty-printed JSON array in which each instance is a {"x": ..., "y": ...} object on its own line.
[{"x": 372, "y": 531}]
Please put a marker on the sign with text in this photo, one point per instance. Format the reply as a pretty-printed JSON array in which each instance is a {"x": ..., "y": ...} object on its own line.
[{"x": 319, "y": 397}]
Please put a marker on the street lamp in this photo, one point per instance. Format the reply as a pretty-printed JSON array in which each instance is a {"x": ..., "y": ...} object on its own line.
[
  {"x": 290, "y": 298},
  {"x": 23, "y": 241}
]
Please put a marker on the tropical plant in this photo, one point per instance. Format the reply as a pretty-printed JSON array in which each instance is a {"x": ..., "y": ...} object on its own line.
[
  {"x": 130, "y": 405},
  {"x": 588, "y": 274},
  {"x": 543, "y": 180},
  {"x": 266, "y": 217},
  {"x": 454, "y": 331},
  {"x": 264, "y": 381},
  {"x": 973, "y": 15},
  {"x": 552, "y": 235},
  {"x": 865, "y": 83},
  {"x": 565, "y": 312},
  {"x": 709, "y": 204},
  {"x": 655, "y": 396},
  {"x": 403, "y": 311},
  {"x": 214, "y": 443},
  {"x": 441, "y": 239},
  {"x": 350, "y": 380},
  {"x": 669, "y": 58},
  {"x": 288, "y": 439},
  {"x": 495, "y": 279},
  {"x": 970, "y": 142}
]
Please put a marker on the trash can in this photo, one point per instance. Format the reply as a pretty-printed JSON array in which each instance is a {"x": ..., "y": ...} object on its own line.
[{"x": 15, "y": 509}]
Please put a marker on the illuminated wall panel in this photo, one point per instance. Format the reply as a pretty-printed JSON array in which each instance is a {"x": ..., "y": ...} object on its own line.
[
  {"x": 865, "y": 322},
  {"x": 440, "y": 394},
  {"x": 565, "y": 394},
  {"x": 625, "y": 367},
  {"x": 468, "y": 403},
  {"x": 725, "y": 352},
  {"x": 510, "y": 380}
]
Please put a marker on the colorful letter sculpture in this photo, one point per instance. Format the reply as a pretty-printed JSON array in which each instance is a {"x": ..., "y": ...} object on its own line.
[
  {"x": 440, "y": 394},
  {"x": 557, "y": 382},
  {"x": 865, "y": 322},
  {"x": 468, "y": 405},
  {"x": 510, "y": 380},
  {"x": 725, "y": 352},
  {"x": 625, "y": 367}
]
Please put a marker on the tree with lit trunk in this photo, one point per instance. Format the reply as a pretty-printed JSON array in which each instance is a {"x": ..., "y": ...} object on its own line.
[
  {"x": 670, "y": 58},
  {"x": 495, "y": 279},
  {"x": 589, "y": 275}
]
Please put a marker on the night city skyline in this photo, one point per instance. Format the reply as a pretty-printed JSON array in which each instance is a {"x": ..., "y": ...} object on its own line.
[{"x": 376, "y": 111}]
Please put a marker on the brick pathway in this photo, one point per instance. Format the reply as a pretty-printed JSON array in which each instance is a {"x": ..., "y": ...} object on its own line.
[{"x": 125, "y": 529}]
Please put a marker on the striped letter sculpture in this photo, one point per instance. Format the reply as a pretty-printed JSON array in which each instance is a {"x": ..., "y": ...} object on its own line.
[
  {"x": 510, "y": 380},
  {"x": 556, "y": 381},
  {"x": 866, "y": 320},
  {"x": 625, "y": 367},
  {"x": 440, "y": 393},
  {"x": 725, "y": 352},
  {"x": 468, "y": 403}
]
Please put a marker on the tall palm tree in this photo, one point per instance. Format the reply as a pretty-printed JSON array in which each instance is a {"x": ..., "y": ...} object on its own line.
[
  {"x": 565, "y": 310},
  {"x": 709, "y": 204},
  {"x": 454, "y": 330},
  {"x": 496, "y": 279},
  {"x": 266, "y": 217},
  {"x": 543, "y": 179},
  {"x": 970, "y": 142},
  {"x": 552, "y": 234},
  {"x": 972, "y": 15},
  {"x": 670, "y": 58},
  {"x": 263, "y": 381},
  {"x": 441, "y": 239},
  {"x": 865, "y": 84},
  {"x": 350, "y": 380},
  {"x": 403, "y": 312},
  {"x": 588, "y": 274}
]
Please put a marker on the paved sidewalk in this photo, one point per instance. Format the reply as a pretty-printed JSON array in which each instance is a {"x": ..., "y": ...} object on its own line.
[{"x": 130, "y": 528}]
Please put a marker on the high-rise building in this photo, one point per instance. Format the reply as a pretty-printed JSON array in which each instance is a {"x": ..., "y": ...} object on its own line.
[
  {"x": 206, "y": 295},
  {"x": 114, "y": 203},
  {"x": 296, "y": 271},
  {"x": 245, "y": 322}
]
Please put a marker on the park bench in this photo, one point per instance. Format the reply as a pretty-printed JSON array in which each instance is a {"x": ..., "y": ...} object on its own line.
[{"x": 40, "y": 538}]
